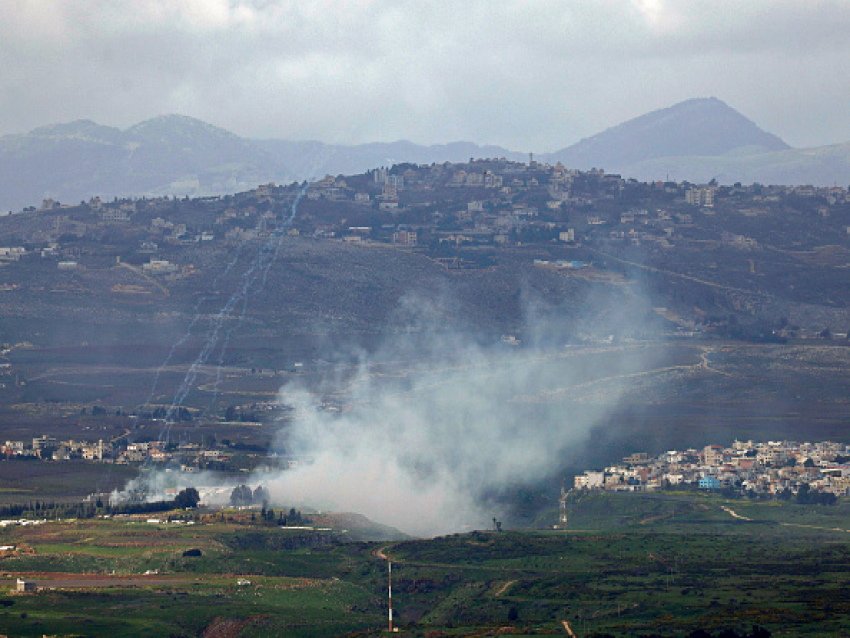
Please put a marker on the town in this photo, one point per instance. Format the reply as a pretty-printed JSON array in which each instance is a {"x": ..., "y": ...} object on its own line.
[
  {"x": 186, "y": 457},
  {"x": 773, "y": 469},
  {"x": 814, "y": 472},
  {"x": 485, "y": 202}
]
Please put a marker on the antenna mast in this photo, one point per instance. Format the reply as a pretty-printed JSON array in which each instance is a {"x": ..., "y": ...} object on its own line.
[
  {"x": 390, "y": 587},
  {"x": 563, "y": 500}
]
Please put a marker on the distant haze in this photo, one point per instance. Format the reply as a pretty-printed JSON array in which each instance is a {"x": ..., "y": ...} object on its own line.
[{"x": 530, "y": 76}]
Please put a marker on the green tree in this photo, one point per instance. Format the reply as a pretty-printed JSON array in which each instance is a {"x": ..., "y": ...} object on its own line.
[{"x": 187, "y": 498}]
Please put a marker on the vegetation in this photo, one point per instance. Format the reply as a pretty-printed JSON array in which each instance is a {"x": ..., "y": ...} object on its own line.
[
  {"x": 185, "y": 499},
  {"x": 671, "y": 566}
]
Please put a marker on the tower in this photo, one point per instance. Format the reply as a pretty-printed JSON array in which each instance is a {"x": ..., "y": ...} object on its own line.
[
  {"x": 390, "y": 587},
  {"x": 563, "y": 500}
]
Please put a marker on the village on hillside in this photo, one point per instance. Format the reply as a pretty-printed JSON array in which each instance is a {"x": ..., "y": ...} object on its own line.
[{"x": 820, "y": 472}]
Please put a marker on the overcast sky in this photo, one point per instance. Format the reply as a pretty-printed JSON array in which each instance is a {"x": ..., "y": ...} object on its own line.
[{"x": 532, "y": 75}]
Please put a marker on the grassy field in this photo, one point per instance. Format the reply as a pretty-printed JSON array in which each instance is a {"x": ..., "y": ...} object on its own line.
[
  {"x": 629, "y": 565},
  {"x": 28, "y": 481}
]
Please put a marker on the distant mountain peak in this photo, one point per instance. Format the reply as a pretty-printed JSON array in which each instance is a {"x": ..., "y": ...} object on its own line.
[{"x": 695, "y": 127}]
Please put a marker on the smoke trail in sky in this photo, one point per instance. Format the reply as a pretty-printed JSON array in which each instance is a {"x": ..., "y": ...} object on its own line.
[
  {"x": 197, "y": 315},
  {"x": 218, "y": 334}
]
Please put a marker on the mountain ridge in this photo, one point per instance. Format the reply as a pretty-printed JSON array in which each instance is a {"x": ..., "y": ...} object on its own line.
[{"x": 695, "y": 140}]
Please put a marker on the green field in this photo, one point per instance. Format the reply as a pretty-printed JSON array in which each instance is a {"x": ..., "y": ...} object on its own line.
[{"x": 628, "y": 565}]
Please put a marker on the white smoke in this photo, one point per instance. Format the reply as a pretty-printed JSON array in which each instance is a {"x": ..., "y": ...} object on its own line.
[
  {"x": 436, "y": 422},
  {"x": 433, "y": 423}
]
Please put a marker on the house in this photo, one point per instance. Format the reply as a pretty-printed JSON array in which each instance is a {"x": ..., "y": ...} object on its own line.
[
  {"x": 709, "y": 483},
  {"x": 26, "y": 585},
  {"x": 405, "y": 237},
  {"x": 12, "y": 253},
  {"x": 158, "y": 266},
  {"x": 713, "y": 455}
]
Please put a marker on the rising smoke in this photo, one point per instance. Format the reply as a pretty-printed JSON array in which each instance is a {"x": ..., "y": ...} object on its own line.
[{"x": 434, "y": 423}]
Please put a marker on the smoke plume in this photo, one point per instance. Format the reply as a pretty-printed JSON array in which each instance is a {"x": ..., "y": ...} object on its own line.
[{"x": 435, "y": 422}]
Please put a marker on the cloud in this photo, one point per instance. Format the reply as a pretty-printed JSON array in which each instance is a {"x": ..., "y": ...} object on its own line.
[{"x": 532, "y": 76}]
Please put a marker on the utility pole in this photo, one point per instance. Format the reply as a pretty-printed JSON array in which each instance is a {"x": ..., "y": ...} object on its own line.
[
  {"x": 390, "y": 587},
  {"x": 563, "y": 518}
]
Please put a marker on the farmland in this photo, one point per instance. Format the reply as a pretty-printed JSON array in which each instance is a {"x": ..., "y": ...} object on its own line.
[{"x": 627, "y": 565}]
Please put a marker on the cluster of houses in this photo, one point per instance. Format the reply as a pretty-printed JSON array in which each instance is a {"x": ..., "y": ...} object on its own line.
[
  {"x": 190, "y": 456},
  {"x": 490, "y": 201},
  {"x": 48, "y": 448},
  {"x": 772, "y": 467},
  {"x": 497, "y": 201}
]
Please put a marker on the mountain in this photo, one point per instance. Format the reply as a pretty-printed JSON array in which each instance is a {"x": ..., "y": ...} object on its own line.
[
  {"x": 704, "y": 127},
  {"x": 179, "y": 155},
  {"x": 697, "y": 140},
  {"x": 172, "y": 155}
]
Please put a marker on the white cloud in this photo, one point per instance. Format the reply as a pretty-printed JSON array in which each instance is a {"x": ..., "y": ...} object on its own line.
[{"x": 532, "y": 76}]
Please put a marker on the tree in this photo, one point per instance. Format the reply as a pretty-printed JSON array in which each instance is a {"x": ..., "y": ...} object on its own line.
[
  {"x": 187, "y": 498},
  {"x": 241, "y": 495},
  {"x": 261, "y": 495}
]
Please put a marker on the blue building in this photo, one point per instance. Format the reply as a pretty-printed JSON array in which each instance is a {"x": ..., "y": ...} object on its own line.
[{"x": 709, "y": 483}]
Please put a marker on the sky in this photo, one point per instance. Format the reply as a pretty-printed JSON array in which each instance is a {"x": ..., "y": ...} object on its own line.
[{"x": 526, "y": 75}]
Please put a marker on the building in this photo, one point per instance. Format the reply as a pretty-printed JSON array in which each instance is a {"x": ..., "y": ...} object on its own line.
[
  {"x": 158, "y": 267},
  {"x": 405, "y": 237},
  {"x": 709, "y": 483},
  {"x": 700, "y": 197},
  {"x": 12, "y": 253},
  {"x": 43, "y": 442},
  {"x": 638, "y": 458},
  {"x": 118, "y": 215},
  {"x": 26, "y": 585},
  {"x": 713, "y": 455}
]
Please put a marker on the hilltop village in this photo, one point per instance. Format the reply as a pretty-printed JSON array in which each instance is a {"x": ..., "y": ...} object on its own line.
[
  {"x": 814, "y": 472},
  {"x": 754, "y": 249},
  {"x": 484, "y": 202}
]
